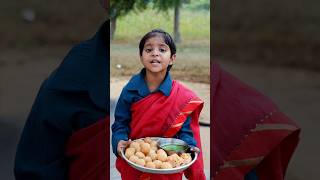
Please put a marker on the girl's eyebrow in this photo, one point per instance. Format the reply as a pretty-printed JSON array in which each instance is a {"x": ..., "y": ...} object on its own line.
[
  {"x": 147, "y": 44},
  {"x": 160, "y": 44}
]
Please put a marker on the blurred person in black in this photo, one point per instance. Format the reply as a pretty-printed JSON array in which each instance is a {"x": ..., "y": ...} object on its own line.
[{"x": 65, "y": 135}]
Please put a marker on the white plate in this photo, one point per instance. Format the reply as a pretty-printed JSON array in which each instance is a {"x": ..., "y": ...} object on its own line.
[{"x": 194, "y": 156}]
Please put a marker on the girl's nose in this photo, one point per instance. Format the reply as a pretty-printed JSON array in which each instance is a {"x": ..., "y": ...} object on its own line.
[{"x": 155, "y": 52}]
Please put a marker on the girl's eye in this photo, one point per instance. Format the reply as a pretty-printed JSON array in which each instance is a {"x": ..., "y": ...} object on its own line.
[
  {"x": 162, "y": 50},
  {"x": 148, "y": 50}
]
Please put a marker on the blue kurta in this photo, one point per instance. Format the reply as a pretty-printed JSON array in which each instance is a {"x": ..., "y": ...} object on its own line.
[
  {"x": 74, "y": 96},
  {"x": 135, "y": 90},
  {"x": 251, "y": 176}
]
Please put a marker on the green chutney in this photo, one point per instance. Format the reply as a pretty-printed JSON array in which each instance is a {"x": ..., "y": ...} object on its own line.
[{"x": 173, "y": 147}]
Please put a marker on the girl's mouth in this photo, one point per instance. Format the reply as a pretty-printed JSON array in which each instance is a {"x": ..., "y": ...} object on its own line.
[{"x": 155, "y": 61}]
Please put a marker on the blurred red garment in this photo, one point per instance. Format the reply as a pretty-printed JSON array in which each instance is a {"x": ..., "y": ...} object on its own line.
[
  {"x": 249, "y": 132},
  {"x": 88, "y": 152}
]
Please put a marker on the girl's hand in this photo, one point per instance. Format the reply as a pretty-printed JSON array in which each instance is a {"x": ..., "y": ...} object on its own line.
[
  {"x": 122, "y": 144},
  {"x": 194, "y": 149}
]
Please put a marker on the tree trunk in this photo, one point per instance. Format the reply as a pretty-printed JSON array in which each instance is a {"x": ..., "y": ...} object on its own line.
[
  {"x": 113, "y": 22},
  {"x": 177, "y": 37}
]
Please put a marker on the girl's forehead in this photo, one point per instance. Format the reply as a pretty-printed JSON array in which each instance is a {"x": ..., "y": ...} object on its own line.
[{"x": 155, "y": 40}]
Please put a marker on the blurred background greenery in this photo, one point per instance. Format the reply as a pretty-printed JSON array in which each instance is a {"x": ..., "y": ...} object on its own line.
[
  {"x": 34, "y": 23},
  {"x": 267, "y": 32}
]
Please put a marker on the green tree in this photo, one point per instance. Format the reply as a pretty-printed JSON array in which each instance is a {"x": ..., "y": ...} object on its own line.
[
  {"x": 122, "y": 7},
  {"x": 118, "y": 8},
  {"x": 165, "y": 5}
]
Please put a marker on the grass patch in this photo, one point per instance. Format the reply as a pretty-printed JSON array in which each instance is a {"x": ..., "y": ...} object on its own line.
[
  {"x": 192, "y": 64},
  {"x": 193, "y": 26}
]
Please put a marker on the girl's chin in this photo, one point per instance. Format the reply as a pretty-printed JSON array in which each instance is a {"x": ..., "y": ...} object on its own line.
[{"x": 156, "y": 70}]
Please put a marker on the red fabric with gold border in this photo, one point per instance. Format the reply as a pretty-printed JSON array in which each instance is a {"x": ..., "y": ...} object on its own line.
[{"x": 249, "y": 132}]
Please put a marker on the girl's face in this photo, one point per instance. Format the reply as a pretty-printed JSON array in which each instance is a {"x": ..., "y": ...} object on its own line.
[{"x": 156, "y": 55}]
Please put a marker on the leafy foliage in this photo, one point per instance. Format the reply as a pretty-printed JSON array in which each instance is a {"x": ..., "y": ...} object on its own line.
[{"x": 123, "y": 7}]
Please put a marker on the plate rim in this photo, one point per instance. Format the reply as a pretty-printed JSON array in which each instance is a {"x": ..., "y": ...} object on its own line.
[{"x": 158, "y": 171}]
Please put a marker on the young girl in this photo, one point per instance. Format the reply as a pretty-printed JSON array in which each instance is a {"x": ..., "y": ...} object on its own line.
[{"x": 154, "y": 105}]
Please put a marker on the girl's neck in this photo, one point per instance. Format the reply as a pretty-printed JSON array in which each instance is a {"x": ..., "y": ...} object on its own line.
[{"x": 154, "y": 80}]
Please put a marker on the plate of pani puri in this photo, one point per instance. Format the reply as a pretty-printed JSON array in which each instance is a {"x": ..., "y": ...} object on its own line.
[{"x": 147, "y": 155}]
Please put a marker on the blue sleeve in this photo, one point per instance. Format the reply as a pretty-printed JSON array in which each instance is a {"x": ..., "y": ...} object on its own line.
[
  {"x": 186, "y": 133},
  {"x": 252, "y": 175},
  {"x": 54, "y": 116},
  {"x": 120, "y": 127}
]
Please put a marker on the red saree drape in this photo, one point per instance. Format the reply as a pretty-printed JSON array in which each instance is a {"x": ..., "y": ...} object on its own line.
[
  {"x": 248, "y": 131},
  {"x": 88, "y": 152},
  {"x": 160, "y": 116}
]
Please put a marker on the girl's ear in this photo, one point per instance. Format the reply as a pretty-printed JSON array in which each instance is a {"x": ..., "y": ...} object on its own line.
[{"x": 173, "y": 58}]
